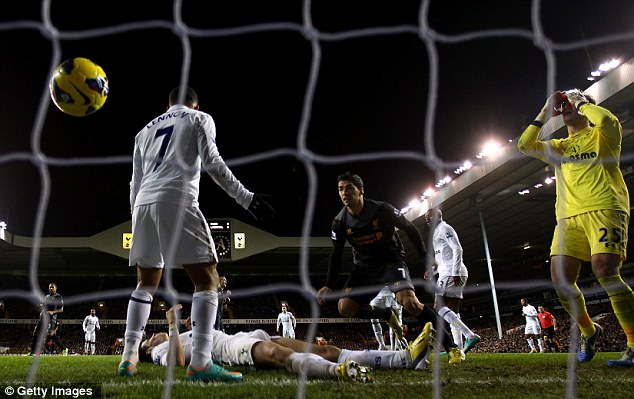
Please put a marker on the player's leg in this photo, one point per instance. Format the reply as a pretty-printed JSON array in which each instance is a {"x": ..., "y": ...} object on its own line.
[
  {"x": 564, "y": 273},
  {"x": 531, "y": 342},
  {"x": 93, "y": 342},
  {"x": 359, "y": 306},
  {"x": 62, "y": 348},
  {"x": 146, "y": 256},
  {"x": 39, "y": 336},
  {"x": 139, "y": 307},
  {"x": 378, "y": 332},
  {"x": 540, "y": 343},
  {"x": 377, "y": 329},
  {"x": 426, "y": 314},
  {"x": 328, "y": 352},
  {"x": 607, "y": 269},
  {"x": 548, "y": 346},
  {"x": 204, "y": 277},
  {"x": 371, "y": 358}
]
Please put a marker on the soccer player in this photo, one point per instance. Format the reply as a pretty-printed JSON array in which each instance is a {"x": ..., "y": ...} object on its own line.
[
  {"x": 224, "y": 297},
  {"x": 52, "y": 306},
  {"x": 452, "y": 278},
  {"x": 379, "y": 260},
  {"x": 257, "y": 348},
  {"x": 386, "y": 299},
  {"x": 168, "y": 228},
  {"x": 90, "y": 325},
  {"x": 287, "y": 321},
  {"x": 592, "y": 210},
  {"x": 548, "y": 323},
  {"x": 532, "y": 329}
]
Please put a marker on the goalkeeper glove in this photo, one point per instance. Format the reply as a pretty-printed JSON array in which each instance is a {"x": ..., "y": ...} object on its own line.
[
  {"x": 555, "y": 104},
  {"x": 260, "y": 209},
  {"x": 576, "y": 97}
]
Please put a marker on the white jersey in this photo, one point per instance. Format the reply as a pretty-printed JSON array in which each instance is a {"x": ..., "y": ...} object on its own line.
[
  {"x": 159, "y": 352},
  {"x": 91, "y": 323},
  {"x": 287, "y": 320},
  {"x": 169, "y": 153},
  {"x": 231, "y": 350},
  {"x": 448, "y": 252},
  {"x": 532, "y": 320}
]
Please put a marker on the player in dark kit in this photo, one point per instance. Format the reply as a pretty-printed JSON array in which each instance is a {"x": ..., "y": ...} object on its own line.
[
  {"x": 379, "y": 259},
  {"x": 52, "y": 306}
]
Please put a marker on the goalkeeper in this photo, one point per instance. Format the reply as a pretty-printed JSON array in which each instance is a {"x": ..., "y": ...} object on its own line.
[{"x": 592, "y": 210}]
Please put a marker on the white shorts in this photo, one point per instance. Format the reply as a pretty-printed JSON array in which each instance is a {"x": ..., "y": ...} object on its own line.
[
  {"x": 446, "y": 287},
  {"x": 90, "y": 336},
  {"x": 384, "y": 299},
  {"x": 235, "y": 350},
  {"x": 288, "y": 332},
  {"x": 157, "y": 241},
  {"x": 532, "y": 328}
]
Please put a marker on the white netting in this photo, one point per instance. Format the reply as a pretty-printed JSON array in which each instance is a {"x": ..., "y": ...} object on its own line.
[{"x": 315, "y": 28}]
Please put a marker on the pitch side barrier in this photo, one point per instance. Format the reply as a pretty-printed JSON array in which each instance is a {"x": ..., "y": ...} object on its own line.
[{"x": 225, "y": 321}]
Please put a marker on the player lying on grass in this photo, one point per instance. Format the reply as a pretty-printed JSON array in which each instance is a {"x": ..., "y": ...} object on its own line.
[{"x": 257, "y": 348}]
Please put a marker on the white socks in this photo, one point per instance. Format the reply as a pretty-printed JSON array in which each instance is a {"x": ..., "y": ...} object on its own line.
[
  {"x": 139, "y": 308},
  {"x": 377, "y": 359},
  {"x": 378, "y": 332},
  {"x": 453, "y": 319},
  {"x": 312, "y": 365},
  {"x": 203, "y": 316}
]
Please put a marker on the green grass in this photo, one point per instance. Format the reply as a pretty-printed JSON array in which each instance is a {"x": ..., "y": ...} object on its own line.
[{"x": 539, "y": 376}]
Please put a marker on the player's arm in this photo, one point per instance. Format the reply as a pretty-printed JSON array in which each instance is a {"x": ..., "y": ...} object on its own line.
[
  {"x": 605, "y": 120},
  {"x": 529, "y": 142},
  {"x": 394, "y": 217},
  {"x": 294, "y": 320},
  {"x": 175, "y": 344},
  {"x": 215, "y": 166},
  {"x": 137, "y": 175}
]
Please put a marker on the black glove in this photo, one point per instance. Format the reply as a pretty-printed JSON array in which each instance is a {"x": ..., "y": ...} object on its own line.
[{"x": 261, "y": 210}]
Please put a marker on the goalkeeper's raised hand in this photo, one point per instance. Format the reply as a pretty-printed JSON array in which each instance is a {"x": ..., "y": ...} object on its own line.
[
  {"x": 555, "y": 104},
  {"x": 260, "y": 209},
  {"x": 576, "y": 97}
]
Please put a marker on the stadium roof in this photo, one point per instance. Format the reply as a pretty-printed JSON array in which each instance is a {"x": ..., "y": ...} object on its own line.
[{"x": 487, "y": 193}]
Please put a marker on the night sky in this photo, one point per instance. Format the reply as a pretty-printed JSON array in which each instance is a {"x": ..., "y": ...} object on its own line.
[{"x": 371, "y": 95}]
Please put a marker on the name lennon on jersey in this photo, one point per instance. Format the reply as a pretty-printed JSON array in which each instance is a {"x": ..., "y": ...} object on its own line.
[{"x": 174, "y": 114}]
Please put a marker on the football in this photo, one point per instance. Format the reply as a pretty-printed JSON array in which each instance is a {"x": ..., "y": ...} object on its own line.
[{"x": 79, "y": 87}]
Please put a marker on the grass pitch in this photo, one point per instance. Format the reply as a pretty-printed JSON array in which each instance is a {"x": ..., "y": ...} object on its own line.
[{"x": 538, "y": 376}]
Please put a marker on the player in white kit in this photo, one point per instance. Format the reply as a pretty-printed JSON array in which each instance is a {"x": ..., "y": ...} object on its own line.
[
  {"x": 287, "y": 321},
  {"x": 532, "y": 328},
  {"x": 452, "y": 278},
  {"x": 168, "y": 228},
  {"x": 387, "y": 299},
  {"x": 257, "y": 348},
  {"x": 90, "y": 325}
]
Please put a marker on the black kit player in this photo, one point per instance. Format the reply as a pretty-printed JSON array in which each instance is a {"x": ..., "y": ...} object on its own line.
[
  {"x": 379, "y": 260},
  {"x": 52, "y": 306}
]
